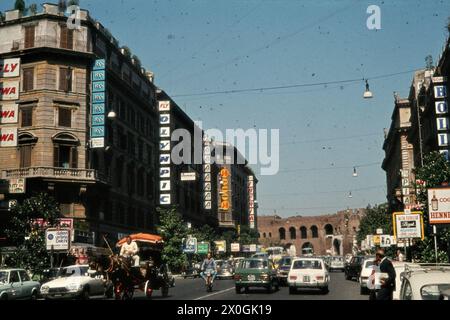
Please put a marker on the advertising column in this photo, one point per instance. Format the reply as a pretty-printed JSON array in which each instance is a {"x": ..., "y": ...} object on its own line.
[
  {"x": 206, "y": 173},
  {"x": 164, "y": 153},
  {"x": 442, "y": 117},
  {"x": 98, "y": 104},
  {"x": 9, "y": 92}
]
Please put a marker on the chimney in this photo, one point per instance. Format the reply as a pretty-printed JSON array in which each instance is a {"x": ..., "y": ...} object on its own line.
[
  {"x": 150, "y": 76},
  {"x": 12, "y": 15},
  {"x": 51, "y": 8}
]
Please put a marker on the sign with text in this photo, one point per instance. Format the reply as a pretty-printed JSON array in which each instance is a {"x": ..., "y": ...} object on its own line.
[
  {"x": 9, "y": 90},
  {"x": 202, "y": 248},
  {"x": 8, "y": 137},
  {"x": 57, "y": 240},
  {"x": 9, "y": 68},
  {"x": 188, "y": 176},
  {"x": 235, "y": 247},
  {"x": 98, "y": 104},
  {"x": 17, "y": 186},
  {"x": 439, "y": 205},
  {"x": 190, "y": 245},
  {"x": 221, "y": 246},
  {"x": 408, "y": 226},
  {"x": 9, "y": 113},
  {"x": 164, "y": 153},
  {"x": 251, "y": 201}
]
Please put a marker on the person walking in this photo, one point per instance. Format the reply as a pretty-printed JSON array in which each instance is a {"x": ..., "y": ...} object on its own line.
[{"x": 387, "y": 284}]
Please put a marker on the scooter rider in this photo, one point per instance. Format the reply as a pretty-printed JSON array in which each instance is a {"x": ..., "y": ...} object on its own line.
[{"x": 209, "y": 264}]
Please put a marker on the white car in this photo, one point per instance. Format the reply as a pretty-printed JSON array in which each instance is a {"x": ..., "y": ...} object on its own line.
[
  {"x": 308, "y": 273},
  {"x": 337, "y": 263},
  {"x": 424, "y": 282},
  {"x": 75, "y": 282},
  {"x": 367, "y": 267},
  {"x": 399, "y": 269}
]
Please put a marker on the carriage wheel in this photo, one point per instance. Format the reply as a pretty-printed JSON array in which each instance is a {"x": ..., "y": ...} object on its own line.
[{"x": 148, "y": 289}]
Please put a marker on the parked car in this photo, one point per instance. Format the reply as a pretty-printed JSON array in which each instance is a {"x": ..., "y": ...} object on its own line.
[
  {"x": 424, "y": 282},
  {"x": 225, "y": 269},
  {"x": 17, "y": 284},
  {"x": 256, "y": 272},
  {"x": 284, "y": 266},
  {"x": 353, "y": 268},
  {"x": 367, "y": 267},
  {"x": 261, "y": 255},
  {"x": 399, "y": 269},
  {"x": 75, "y": 282},
  {"x": 445, "y": 295},
  {"x": 192, "y": 270},
  {"x": 308, "y": 273},
  {"x": 237, "y": 261},
  {"x": 46, "y": 275},
  {"x": 337, "y": 263}
]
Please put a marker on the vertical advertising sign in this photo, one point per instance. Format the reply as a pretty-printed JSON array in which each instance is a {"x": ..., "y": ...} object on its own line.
[
  {"x": 206, "y": 174},
  {"x": 98, "y": 104},
  {"x": 164, "y": 153},
  {"x": 9, "y": 91},
  {"x": 442, "y": 116},
  {"x": 224, "y": 197},
  {"x": 251, "y": 201}
]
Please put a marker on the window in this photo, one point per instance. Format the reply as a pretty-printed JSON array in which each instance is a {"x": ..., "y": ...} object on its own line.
[
  {"x": 65, "y": 153},
  {"x": 270, "y": 234},
  {"x": 24, "y": 276},
  {"x": 27, "y": 117},
  {"x": 25, "y": 156},
  {"x": 264, "y": 235},
  {"x": 282, "y": 233},
  {"x": 64, "y": 117},
  {"x": 407, "y": 292},
  {"x": 303, "y": 233},
  {"x": 28, "y": 79},
  {"x": 292, "y": 233},
  {"x": 66, "y": 41},
  {"x": 307, "y": 264},
  {"x": 14, "y": 277},
  {"x": 314, "y": 232},
  {"x": 65, "y": 79},
  {"x": 29, "y": 37}
]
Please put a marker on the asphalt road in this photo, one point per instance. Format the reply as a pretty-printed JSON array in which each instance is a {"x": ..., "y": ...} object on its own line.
[{"x": 194, "y": 289}]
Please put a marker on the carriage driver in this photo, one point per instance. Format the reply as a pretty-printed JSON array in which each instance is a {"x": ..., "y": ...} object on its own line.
[{"x": 130, "y": 250}]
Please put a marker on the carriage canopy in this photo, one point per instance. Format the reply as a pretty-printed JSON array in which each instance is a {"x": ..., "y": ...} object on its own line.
[{"x": 142, "y": 237}]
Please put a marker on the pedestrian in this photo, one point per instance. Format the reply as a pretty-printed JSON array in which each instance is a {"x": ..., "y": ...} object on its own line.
[
  {"x": 387, "y": 283},
  {"x": 372, "y": 281},
  {"x": 400, "y": 256}
]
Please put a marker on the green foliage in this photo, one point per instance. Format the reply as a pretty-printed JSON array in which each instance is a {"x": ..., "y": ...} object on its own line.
[
  {"x": 172, "y": 229},
  {"x": 73, "y": 3},
  {"x": 31, "y": 251},
  {"x": 376, "y": 217},
  {"x": 248, "y": 236},
  {"x": 435, "y": 172},
  {"x": 20, "y": 5}
]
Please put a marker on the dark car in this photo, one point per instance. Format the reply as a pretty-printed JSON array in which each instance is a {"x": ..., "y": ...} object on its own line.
[
  {"x": 256, "y": 272},
  {"x": 352, "y": 269},
  {"x": 284, "y": 266}
]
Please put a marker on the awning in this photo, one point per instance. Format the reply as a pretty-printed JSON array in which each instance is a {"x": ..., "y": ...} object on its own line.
[{"x": 142, "y": 237}]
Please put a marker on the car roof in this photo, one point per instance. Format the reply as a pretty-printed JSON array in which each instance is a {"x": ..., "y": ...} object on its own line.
[
  {"x": 12, "y": 269},
  {"x": 419, "y": 279},
  {"x": 307, "y": 258}
]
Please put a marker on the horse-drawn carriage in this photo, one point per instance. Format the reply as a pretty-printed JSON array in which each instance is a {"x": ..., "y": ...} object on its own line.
[{"x": 150, "y": 275}]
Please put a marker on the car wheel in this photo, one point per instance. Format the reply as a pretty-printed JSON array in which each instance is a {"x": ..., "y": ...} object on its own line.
[
  {"x": 325, "y": 290},
  {"x": 34, "y": 295},
  {"x": 347, "y": 277},
  {"x": 270, "y": 288},
  {"x": 292, "y": 290},
  {"x": 85, "y": 294},
  {"x": 238, "y": 289},
  {"x": 362, "y": 290},
  {"x": 246, "y": 289},
  {"x": 4, "y": 297}
]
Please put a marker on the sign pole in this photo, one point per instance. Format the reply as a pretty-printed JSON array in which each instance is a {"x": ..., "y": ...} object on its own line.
[
  {"x": 51, "y": 257},
  {"x": 435, "y": 243}
]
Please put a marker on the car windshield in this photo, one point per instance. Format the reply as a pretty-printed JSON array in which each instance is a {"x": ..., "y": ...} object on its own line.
[
  {"x": 337, "y": 259},
  {"x": 433, "y": 291},
  {"x": 286, "y": 262},
  {"x": 73, "y": 271},
  {"x": 254, "y": 264},
  {"x": 3, "y": 277},
  {"x": 307, "y": 264},
  {"x": 369, "y": 263}
]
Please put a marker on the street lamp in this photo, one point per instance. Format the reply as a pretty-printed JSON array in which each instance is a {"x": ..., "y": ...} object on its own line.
[
  {"x": 112, "y": 115},
  {"x": 350, "y": 195},
  {"x": 355, "y": 174},
  {"x": 367, "y": 94}
]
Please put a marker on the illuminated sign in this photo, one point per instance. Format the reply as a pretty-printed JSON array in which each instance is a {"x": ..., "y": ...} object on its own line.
[
  {"x": 98, "y": 104},
  {"x": 224, "y": 197},
  {"x": 164, "y": 156},
  {"x": 251, "y": 201},
  {"x": 441, "y": 110},
  {"x": 207, "y": 205}
]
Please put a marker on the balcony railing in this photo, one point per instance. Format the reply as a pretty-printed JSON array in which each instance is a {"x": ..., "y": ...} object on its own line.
[
  {"x": 44, "y": 41},
  {"x": 52, "y": 172}
]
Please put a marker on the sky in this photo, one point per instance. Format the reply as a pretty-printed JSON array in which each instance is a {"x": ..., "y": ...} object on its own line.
[{"x": 200, "y": 46}]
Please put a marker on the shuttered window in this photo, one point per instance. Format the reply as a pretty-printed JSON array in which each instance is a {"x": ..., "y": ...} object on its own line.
[
  {"x": 66, "y": 41},
  {"x": 29, "y": 37},
  {"x": 28, "y": 79},
  {"x": 64, "y": 117},
  {"x": 65, "y": 79},
  {"x": 65, "y": 156},
  {"x": 25, "y": 156},
  {"x": 27, "y": 117}
]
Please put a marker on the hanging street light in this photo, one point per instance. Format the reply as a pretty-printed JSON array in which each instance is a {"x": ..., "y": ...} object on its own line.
[
  {"x": 350, "y": 195},
  {"x": 367, "y": 94},
  {"x": 355, "y": 174}
]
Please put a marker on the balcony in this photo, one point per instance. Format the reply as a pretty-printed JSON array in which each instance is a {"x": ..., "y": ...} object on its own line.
[
  {"x": 44, "y": 42},
  {"x": 71, "y": 175}
]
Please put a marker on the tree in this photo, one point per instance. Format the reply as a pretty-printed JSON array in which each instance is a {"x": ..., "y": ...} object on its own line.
[
  {"x": 435, "y": 172},
  {"x": 248, "y": 236},
  {"x": 173, "y": 230},
  {"x": 375, "y": 218},
  {"x": 73, "y": 3},
  {"x": 29, "y": 239},
  {"x": 20, "y": 5}
]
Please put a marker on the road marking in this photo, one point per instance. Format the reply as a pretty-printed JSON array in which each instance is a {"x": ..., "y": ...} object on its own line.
[{"x": 215, "y": 293}]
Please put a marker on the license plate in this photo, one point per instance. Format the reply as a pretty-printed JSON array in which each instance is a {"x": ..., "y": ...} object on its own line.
[
  {"x": 251, "y": 277},
  {"x": 306, "y": 279}
]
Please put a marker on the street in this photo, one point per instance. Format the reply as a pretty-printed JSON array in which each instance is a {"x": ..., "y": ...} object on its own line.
[{"x": 193, "y": 289}]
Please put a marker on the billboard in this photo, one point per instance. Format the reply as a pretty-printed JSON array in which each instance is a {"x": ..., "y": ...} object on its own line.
[
  {"x": 10, "y": 68},
  {"x": 9, "y": 90},
  {"x": 439, "y": 205},
  {"x": 17, "y": 185},
  {"x": 58, "y": 240},
  {"x": 224, "y": 196},
  {"x": 442, "y": 116},
  {"x": 9, "y": 113},
  {"x": 235, "y": 247},
  {"x": 221, "y": 246},
  {"x": 8, "y": 137},
  {"x": 408, "y": 226}
]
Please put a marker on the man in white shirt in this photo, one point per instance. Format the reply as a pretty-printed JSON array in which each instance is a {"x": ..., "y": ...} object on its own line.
[{"x": 130, "y": 249}]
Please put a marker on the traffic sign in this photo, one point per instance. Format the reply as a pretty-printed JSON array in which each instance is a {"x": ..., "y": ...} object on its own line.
[
  {"x": 190, "y": 245},
  {"x": 202, "y": 248},
  {"x": 57, "y": 240}
]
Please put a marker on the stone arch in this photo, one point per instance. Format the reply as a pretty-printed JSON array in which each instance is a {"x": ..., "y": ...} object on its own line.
[
  {"x": 314, "y": 231},
  {"x": 282, "y": 233},
  {"x": 292, "y": 233},
  {"x": 328, "y": 229},
  {"x": 270, "y": 234},
  {"x": 307, "y": 248},
  {"x": 264, "y": 235},
  {"x": 303, "y": 232}
]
